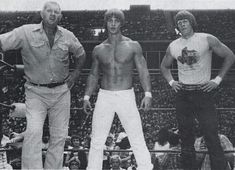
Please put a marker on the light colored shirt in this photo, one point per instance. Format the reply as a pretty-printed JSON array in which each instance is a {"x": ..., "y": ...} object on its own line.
[
  {"x": 171, "y": 161},
  {"x": 118, "y": 169},
  {"x": 158, "y": 147},
  {"x": 3, "y": 159},
  {"x": 42, "y": 64},
  {"x": 3, "y": 155},
  {"x": 193, "y": 57},
  {"x": 111, "y": 147}
]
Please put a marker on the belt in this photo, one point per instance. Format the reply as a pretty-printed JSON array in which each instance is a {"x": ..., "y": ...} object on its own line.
[
  {"x": 191, "y": 87},
  {"x": 50, "y": 85}
]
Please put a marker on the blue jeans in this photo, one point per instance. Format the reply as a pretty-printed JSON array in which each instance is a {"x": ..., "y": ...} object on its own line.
[
  {"x": 41, "y": 101},
  {"x": 198, "y": 104}
]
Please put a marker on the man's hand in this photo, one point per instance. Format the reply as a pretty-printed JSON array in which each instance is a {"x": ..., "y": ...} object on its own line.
[
  {"x": 146, "y": 103},
  {"x": 210, "y": 85},
  {"x": 87, "y": 106},
  {"x": 176, "y": 86}
]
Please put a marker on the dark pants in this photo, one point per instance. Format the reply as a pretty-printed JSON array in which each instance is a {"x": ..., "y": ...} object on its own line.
[
  {"x": 1, "y": 133},
  {"x": 1, "y": 96},
  {"x": 197, "y": 104}
]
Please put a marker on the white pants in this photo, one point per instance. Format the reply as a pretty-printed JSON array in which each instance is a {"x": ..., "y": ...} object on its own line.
[
  {"x": 40, "y": 102},
  {"x": 123, "y": 103}
]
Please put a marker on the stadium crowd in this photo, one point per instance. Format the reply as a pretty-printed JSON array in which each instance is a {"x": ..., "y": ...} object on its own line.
[
  {"x": 162, "y": 114},
  {"x": 82, "y": 23}
]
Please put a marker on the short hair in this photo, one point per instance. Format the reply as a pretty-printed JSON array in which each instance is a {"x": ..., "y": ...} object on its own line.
[
  {"x": 50, "y": 2},
  {"x": 114, "y": 13},
  {"x": 163, "y": 135},
  {"x": 184, "y": 14},
  {"x": 115, "y": 157},
  {"x": 75, "y": 137},
  {"x": 77, "y": 162},
  {"x": 110, "y": 136},
  {"x": 173, "y": 139}
]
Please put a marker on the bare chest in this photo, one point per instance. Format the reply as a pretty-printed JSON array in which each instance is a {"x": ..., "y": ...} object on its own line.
[{"x": 118, "y": 55}]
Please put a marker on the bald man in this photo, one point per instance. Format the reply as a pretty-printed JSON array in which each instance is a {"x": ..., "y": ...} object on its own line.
[{"x": 45, "y": 48}]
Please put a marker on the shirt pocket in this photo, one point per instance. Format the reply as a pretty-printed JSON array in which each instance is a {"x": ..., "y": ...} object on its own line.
[
  {"x": 62, "y": 52},
  {"x": 37, "y": 44},
  {"x": 38, "y": 48},
  {"x": 63, "y": 47}
]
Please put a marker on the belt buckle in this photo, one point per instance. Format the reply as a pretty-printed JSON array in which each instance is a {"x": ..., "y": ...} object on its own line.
[
  {"x": 50, "y": 85},
  {"x": 34, "y": 84}
]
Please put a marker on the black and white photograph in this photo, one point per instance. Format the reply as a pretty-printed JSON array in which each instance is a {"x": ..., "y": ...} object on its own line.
[{"x": 117, "y": 84}]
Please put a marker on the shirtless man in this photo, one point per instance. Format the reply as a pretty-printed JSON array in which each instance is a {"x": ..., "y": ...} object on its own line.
[{"x": 116, "y": 58}]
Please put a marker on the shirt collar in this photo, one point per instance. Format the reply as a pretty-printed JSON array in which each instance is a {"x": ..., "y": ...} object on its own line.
[{"x": 39, "y": 27}]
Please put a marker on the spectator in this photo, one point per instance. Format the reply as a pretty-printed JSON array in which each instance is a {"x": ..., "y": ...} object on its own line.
[
  {"x": 16, "y": 137},
  {"x": 76, "y": 153},
  {"x": 203, "y": 159},
  {"x": 74, "y": 164},
  {"x": 123, "y": 143},
  {"x": 16, "y": 163},
  {"x": 162, "y": 142},
  {"x": 133, "y": 164},
  {"x": 115, "y": 162},
  {"x": 109, "y": 145},
  {"x": 3, "y": 155},
  {"x": 172, "y": 161}
]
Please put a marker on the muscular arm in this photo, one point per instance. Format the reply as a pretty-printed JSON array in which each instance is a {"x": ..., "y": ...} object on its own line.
[
  {"x": 166, "y": 71},
  {"x": 79, "y": 62},
  {"x": 79, "y": 57},
  {"x": 93, "y": 77},
  {"x": 1, "y": 51},
  {"x": 166, "y": 65},
  {"x": 141, "y": 67},
  {"x": 13, "y": 40},
  {"x": 223, "y": 51}
]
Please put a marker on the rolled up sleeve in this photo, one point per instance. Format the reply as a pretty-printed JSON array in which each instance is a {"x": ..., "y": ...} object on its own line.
[
  {"x": 76, "y": 47},
  {"x": 12, "y": 40}
]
